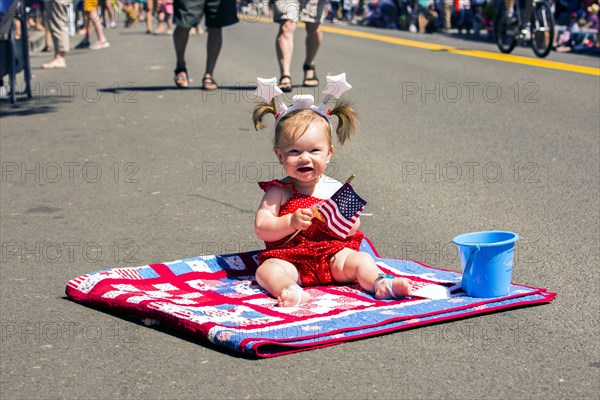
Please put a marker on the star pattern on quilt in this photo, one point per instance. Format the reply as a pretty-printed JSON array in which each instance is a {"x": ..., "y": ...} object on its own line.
[{"x": 134, "y": 294}]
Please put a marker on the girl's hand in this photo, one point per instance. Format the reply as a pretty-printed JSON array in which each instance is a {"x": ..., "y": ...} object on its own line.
[{"x": 302, "y": 219}]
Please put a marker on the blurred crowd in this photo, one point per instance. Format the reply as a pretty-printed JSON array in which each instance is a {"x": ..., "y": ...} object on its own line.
[
  {"x": 155, "y": 15},
  {"x": 577, "y": 20}
]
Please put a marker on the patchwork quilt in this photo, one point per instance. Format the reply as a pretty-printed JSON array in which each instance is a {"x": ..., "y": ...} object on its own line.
[{"x": 217, "y": 299}]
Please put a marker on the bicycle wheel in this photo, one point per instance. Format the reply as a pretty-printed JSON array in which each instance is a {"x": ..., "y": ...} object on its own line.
[
  {"x": 542, "y": 29},
  {"x": 506, "y": 38}
]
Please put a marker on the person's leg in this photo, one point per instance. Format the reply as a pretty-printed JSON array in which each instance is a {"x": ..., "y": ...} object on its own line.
[
  {"x": 160, "y": 27},
  {"x": 180, "y": 40},
  {"x": 448, "y": 5},
  {"x": 469, "y": 21},
  {"x": 279, "y": 278},
  {"x": 510, "y": 6},
  {"x": 349, "y": 265},
  {"x": 149, "y": 15},
  {"x": 103, "y": 12},
  {"x": 84, "y": 23},
  {"x": 284, "y": 46},
  {"x": 111, "y": 14},
  {"x": 48, "y": 34},
  {"x": 88, "y": 6},
  {"x": 65, "y": 38},
  {"x": 57, "y": 23},
  {"x": 87, "y": 26},
  {"x": 213, "y": 48},
  {"x": 186, "y": 13},
  {"x": 422, "y": 22},
  {"x": 511, "y": 16},
  {"x": 108, "y": 13},
  {"x": 97, "y": 24},
  {"x": 169, "y": 23},
  {"x": 314, "y": 38},
  {"x": 528, "y": 11}
]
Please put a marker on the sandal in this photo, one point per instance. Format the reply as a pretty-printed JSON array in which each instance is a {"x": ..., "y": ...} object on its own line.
[
  {"x": 209, "y": 84},
  {"x": 181, "y": 78},
  {"x": 387, "y": 280},
  {"x": 285, "y": 87},
  {"x": 310, "y": 81}
]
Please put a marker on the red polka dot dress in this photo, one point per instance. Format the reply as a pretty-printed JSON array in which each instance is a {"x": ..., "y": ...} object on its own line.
[{"x": 311, "y": 250}]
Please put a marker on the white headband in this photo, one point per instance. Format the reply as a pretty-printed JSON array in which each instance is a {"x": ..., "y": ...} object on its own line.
[{"x": 268, "y": 90}]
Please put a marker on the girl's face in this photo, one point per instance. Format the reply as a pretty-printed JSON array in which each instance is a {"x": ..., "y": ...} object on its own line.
[{"x": 306, "y": 158}]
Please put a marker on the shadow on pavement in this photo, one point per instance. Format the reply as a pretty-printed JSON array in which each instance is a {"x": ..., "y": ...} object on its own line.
[
  {"x": 171, "y": 331},
  {"x": 25, "y": 108},
  {"x": 163, "y": 88}
]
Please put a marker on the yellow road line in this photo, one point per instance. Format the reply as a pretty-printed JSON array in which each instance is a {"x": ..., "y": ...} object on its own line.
[
  {"x": 534, "y": 62},
  {"x": 386, "y": 39}
]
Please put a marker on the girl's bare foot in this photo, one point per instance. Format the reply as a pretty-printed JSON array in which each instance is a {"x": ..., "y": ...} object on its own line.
[
  {"x": 292, "y": 296},
  {"x": 388, "y": 288}
]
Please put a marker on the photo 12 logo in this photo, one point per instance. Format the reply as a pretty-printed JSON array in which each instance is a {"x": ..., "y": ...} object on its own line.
[
  {"x": 90, "y": 92},
  {"x": 527, "y": 252},
  {"x": 469, "y": 92},
  {"x": 470, "y": 172},
  {"x": 471, "y": 332},
  {"x": 52, "y": 332},
  {"x": 69, "y": 252},
  {"x": 228, "y": 247},
  {"x": 68, "y": 171},
  {"x": 248, "y": 172}
]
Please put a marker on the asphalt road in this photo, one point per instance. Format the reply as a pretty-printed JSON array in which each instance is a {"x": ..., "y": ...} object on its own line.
[{"x": 110, "y": 165}]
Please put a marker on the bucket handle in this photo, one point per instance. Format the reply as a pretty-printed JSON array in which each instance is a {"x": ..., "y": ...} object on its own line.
[{"x": 469, "y": 264}]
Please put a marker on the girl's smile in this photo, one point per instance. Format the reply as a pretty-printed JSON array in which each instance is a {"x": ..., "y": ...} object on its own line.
[{"x": 306, "y": 158}]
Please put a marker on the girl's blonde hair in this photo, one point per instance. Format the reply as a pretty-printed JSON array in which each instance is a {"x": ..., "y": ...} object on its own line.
[{"x": 293, "y": 125}]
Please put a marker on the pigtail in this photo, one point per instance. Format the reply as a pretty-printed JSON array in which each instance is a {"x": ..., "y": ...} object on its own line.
[
  {"x": 260, "y": 110},
  {"x": 347, "y": 120}
]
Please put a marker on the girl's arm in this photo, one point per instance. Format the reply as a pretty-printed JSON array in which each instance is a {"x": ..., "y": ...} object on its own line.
[{"x": 269, "y": 226}]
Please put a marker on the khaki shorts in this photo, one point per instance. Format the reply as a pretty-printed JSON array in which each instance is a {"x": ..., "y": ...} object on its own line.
[{"x": 299, "y": 10}]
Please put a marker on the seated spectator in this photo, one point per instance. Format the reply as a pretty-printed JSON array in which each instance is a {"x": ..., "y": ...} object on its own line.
[
  {"x": 592, "y": 23},
  {"x": 383, "y": 15},
  {"x": 432, "y": 19},
  {"x": 428, "y": 18},
  {"x": 577, "y": 37}
]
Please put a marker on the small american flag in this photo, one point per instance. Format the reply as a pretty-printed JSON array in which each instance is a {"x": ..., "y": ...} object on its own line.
[{"x": 342, "y": 210}]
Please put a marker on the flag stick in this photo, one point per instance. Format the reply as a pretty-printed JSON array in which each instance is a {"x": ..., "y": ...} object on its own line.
[{"x": 298, "y": 231}]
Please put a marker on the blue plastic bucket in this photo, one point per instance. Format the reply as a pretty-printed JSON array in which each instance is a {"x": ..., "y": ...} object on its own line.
[{"x": 487, "y": 261}]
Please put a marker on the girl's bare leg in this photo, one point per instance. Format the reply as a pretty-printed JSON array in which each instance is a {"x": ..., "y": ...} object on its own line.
[
  {"x": 349, "y": 265},
  {"x": 278, "y": 278}
]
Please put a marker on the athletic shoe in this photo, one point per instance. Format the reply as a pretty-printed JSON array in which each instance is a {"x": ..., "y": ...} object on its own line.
[{"x": 100, "y": 45}]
